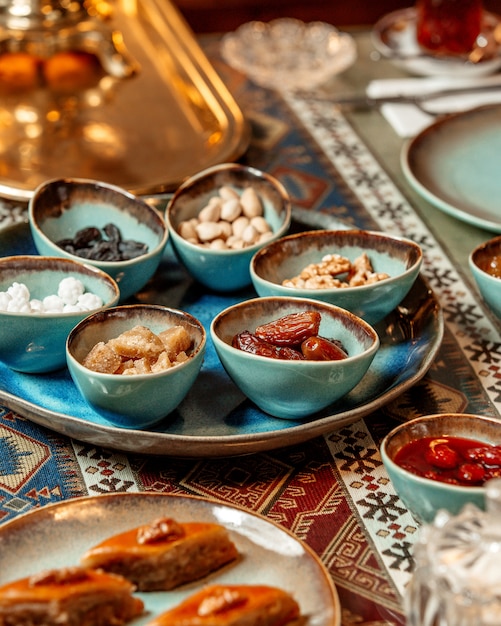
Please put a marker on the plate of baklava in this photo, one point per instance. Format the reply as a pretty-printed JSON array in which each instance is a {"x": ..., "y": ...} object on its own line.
[{"x": 159, "y": 560}]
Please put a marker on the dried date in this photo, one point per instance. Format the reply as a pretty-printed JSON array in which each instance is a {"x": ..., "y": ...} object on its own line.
[
  {"x": 290, "y": 330},
  {"x": 321, "y": 349},
  {"x": 248, "y": 342},
  {"x": 291, "y": 337}
]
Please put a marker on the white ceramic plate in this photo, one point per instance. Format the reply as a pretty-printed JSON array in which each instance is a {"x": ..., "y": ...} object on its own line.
[
  {"x": 454, "y": 164},
  {"x": 57, "y": 535},
  {"x": 394, "y": 37},
  {"x": 287, "y": 53}
]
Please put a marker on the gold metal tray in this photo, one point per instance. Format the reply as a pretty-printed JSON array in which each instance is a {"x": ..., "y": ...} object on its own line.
[{"x": 146, "y": 133}]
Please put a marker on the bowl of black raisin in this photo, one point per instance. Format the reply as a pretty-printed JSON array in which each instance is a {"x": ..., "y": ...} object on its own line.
[{"x": 102, "y": 225}]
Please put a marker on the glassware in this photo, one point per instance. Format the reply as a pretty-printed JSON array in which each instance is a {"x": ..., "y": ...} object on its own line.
[
  {"x": 448, "y": 26},
  {"x": 457, "y": 580}
]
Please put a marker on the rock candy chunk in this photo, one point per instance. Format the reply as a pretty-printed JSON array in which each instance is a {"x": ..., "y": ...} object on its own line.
[
  {"x": 138, "y": 342},
  {"x": 102, "y": 358},
  {"x": 175, "y": 340}
]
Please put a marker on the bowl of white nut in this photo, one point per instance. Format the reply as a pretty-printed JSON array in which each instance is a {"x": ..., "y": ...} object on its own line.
[{"x": 219, "y": 218}]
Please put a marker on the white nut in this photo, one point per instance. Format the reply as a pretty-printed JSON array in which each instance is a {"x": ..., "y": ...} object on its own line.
[
  {"x": 218, "y": 244},
  {"x": 187, "y": 230},
  {"x": 215, "y": 201},
  {"x": 265, "y": 236},
  {"x": 239, "y": 225},
  {"x": 236, "y": 244},
  {"x": 210, "y": 213},
  {"x": 231, "y": 209},
  {"x": 208, "y": 231},
  {"x": 249, "y": 235},
  {"x": 226, "y": 230},
  {"x": 251, "y": 203},
  {"x": 227, "y": 193},
  {"x": 230, "y": 241},
  {"x": 260, "y": 224}
]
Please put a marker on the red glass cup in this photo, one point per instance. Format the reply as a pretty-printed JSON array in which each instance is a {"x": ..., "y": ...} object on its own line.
[{"x": 448, "y": 26}]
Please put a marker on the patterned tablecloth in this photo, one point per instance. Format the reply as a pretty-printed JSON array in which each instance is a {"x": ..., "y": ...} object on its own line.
[{"x": 331, "y": 492}]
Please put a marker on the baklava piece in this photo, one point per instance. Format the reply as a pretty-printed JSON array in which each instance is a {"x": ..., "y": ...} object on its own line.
[
  {"x": 164, "y": 554},
  {"x": 233, "y": 605},
  {"x": 70, "y": 596}
]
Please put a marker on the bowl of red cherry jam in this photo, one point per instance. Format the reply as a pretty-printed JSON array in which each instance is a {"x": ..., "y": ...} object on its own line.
[
  {"x": 485, "y": 265},
  {"x": 442, "y": 461}
]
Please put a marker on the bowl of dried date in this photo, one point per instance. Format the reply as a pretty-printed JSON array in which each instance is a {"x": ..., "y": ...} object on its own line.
[
  {"x": 134, "y": 364},
  {"x": 101, "y": 224},
  {"x": 220, "y": 217},
  {"x": 365, "y": 272},
  {"x": 442, "y": 461},
  {"x": 293, "y": 356},
  {"x": 41, "y": 300}
]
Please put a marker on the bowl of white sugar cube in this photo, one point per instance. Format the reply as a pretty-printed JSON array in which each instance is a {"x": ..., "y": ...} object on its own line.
[{"x": 41, "y": 299}]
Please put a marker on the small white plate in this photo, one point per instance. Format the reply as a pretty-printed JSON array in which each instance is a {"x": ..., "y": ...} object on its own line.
[
  {"x": 454, "y": 164},
  {"x": 57, "y": 535},
  {"x": 394, "y": 37},
  {"x": 287, "y": 53}
]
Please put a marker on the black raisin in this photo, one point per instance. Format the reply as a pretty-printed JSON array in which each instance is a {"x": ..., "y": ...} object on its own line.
[
  {"x": 87, "y": 236},
  {"x": 112, "y": 232},
  {"x": 131, "y": 249}
]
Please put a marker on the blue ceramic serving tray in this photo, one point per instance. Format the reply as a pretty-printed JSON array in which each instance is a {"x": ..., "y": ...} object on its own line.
[{"x": 215, "y": 419}]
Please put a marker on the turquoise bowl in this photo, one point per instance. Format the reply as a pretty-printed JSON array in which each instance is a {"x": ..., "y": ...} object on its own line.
[
  {"x": 224, "y": 270},
  {"x": 35, "y": 343},
  {"x": 60, "y": 208},
  {"x": 424, "y": 497},
  {"x": 141, "y": 400},
  {"x": 288, "y": 256},
  {"x": 293, "y": 389},
  {"x": 489, "y": 286}
]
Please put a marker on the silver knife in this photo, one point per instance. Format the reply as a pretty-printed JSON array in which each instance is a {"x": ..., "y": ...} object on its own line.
[{"x": 365, "y": 101}]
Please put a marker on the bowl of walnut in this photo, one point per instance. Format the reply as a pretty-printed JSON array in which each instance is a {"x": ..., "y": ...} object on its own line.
[
  {"x": 101, "y": 224},
  {"x": 134, "y": 364},
  {"x": 293, "y": 356},
  {"x": 220, "y": 217},
  {"x": 365, "y": 272}
]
